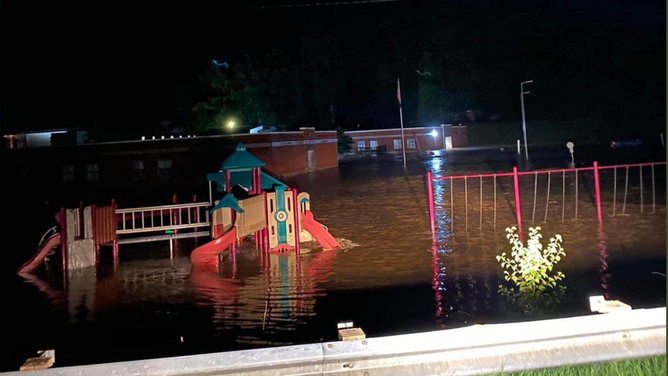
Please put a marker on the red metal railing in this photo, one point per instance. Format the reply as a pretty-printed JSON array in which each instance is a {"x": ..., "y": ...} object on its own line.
[{"x": 516, "y": 174}]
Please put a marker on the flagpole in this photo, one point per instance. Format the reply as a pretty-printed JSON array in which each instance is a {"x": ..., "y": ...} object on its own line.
[{"x": 401, "y": 118}]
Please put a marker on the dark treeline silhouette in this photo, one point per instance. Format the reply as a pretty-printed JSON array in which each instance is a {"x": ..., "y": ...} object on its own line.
[{"x": 337, "y": 66}]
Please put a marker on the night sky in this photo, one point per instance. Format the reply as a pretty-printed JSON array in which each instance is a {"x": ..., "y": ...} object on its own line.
[{"x": 123, "y": 67}]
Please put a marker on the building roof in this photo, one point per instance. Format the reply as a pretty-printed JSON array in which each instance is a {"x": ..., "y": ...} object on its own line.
[{"x": 241, "y": 160}]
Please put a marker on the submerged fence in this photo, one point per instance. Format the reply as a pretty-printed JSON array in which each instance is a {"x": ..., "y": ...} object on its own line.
[{"x": 551, "y": 193}]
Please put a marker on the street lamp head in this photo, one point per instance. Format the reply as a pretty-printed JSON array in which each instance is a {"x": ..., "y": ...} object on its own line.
[
  {"x": 526, "y": 82},
  {"x": 230, "y": 124}
]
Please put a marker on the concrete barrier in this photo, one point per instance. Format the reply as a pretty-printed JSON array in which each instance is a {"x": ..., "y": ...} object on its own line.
[{"x": 473, "y": 350}]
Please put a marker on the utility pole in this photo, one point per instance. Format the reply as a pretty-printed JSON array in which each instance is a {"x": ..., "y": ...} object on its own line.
[{"x": 524, "y": 123}]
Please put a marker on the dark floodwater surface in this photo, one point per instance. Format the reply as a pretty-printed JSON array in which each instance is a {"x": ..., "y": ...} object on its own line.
[{"x": 396, "y": 281}]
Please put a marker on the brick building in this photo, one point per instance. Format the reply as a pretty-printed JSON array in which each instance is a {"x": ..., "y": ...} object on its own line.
[
  {"x": 416, "y": 139},
  {"x": 137, "y": 167}
]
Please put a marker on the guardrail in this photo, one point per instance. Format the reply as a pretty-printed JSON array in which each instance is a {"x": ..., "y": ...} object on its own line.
[{"x": 474, "y": 350}]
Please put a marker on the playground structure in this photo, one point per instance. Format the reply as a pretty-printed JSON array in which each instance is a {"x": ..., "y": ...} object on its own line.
[
  {"x": 77, "y": 236},
  {"x": 276, "y": 215},
  {"x": 576, "y": 179},
  {"x": 256, "y": 204}
]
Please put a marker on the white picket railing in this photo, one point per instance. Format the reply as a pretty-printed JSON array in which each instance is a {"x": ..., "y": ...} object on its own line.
[{"x": 165, "y": 217}]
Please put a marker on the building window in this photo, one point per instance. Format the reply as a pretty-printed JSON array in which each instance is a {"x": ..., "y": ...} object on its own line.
[
  {"x": 411, "y": 143},
  {"x": 165, "y": 169},
  {"x": 360, "y": 145},
  {"x": 373, "y": 144},
  {"x": 68, "y": 173},
  {"x": 138, "y": 165},
  {"x": 92, "y": 171},
  {"x": 397, "y": 144},
  {"x": 138, "y": 170},
  {"x": 164, "y": 164}
]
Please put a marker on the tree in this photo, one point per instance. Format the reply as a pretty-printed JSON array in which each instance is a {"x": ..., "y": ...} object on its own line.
[
  {"x": 344, "y": 142},
  {"x": 277, "y": 89},
  {"x": 317, "y": 78},
  {"x": 241, "y": 92}
]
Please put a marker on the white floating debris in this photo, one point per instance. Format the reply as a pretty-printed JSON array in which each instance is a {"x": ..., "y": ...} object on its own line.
[
  {"x": 347, "y": 244},
  {"x": 598, "y": 304}
]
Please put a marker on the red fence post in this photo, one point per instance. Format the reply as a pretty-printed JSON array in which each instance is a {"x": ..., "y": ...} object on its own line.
[
  {"x": 115, "y": 241},
  {"x": 597, "y": 184},
  {"x": 265, "y": 234},
  {"x": 175, "y": 215},
  {"x": 295, "y": 211},
  {"x": 518, "y": 205},
  {"x": 430, "y": 195}
]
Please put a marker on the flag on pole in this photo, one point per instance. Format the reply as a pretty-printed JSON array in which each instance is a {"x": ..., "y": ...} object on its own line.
[{"x": 399, "y": 92}]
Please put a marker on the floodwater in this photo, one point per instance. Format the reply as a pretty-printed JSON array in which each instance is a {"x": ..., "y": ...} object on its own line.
[{"x": 396, "y": 280}]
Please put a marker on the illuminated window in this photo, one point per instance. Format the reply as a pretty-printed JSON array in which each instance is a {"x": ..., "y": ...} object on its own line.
[
  {"x": 92, "y": 172},
  {"x": 411, "y": 143},
  {"x": 397, "y": 144},
  {"x": 360, "y": 145},
  {"x": 373, "y": 144}
]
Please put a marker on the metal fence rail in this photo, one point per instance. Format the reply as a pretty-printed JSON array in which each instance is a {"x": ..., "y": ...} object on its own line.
[{"x": 645, "y": 177}]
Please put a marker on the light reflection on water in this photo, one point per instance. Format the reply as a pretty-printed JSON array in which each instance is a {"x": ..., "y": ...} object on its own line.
[
  {"x": 398, "y": 278},
  {"x": 387, "y": 216}
]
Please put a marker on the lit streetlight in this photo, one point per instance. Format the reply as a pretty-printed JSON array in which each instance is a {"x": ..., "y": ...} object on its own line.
[
  {"x": 524, "y": 123},
  {"x": 230, "y": 124}
]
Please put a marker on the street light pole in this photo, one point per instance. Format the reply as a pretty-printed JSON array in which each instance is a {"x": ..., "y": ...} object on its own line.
[{"x": 524, "y": 123}]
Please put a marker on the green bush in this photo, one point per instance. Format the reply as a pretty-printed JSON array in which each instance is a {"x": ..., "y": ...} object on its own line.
[{"x": 530, "y": 270}]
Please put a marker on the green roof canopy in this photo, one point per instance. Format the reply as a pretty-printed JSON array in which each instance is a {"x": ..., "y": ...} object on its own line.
[
  {"x": 244, "y": 179},
  {"x": 241, "y": 160},
  {"x": 229, "y": 201}
]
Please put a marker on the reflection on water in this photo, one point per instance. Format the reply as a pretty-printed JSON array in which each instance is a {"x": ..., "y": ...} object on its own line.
[
  {"x": 398, "y": 279},
  {"x": 603, "y": 254},
  {"x": 279, "y": 297}
]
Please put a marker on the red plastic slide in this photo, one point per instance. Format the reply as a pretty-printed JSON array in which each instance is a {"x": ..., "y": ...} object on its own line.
[
  {"x": 208, "y": 253},
  {"x": 34, "y": 262},
  {"x": 316, "y": 229}
]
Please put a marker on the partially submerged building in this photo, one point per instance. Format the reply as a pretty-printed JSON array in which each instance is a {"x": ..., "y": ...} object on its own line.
[{"x": 415, "y": 139}]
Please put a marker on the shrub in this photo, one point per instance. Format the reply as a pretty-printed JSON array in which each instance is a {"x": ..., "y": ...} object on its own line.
[{"x": 530, "y": 269}]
